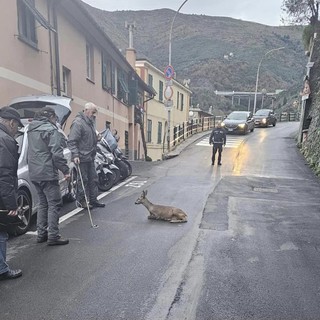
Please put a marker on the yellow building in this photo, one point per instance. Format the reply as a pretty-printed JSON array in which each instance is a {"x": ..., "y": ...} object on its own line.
[{"x": 156, "y": 115}]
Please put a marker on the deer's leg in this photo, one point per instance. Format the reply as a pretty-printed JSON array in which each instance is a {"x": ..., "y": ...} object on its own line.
[{"x": 179, "y": 219}]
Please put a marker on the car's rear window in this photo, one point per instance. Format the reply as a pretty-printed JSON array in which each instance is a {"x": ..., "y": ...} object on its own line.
[{"x": 28, "y": 109}]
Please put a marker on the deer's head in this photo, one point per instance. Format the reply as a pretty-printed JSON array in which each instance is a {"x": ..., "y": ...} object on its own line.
[{"x": 142, "y": 197}]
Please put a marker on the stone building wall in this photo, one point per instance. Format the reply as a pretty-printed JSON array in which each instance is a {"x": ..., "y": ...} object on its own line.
[{"x": 311, "y": 146}]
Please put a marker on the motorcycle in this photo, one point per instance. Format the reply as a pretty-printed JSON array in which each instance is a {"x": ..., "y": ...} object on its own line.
[
  {"x": 109, "y": 159},
  {"x": 106, "y": 177},
  {"x": 124, "y": 159},
  {"x": 110, "y": 143}
]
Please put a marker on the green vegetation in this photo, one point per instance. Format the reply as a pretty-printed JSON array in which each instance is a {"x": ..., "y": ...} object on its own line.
[{"x": 216, "y": 53}]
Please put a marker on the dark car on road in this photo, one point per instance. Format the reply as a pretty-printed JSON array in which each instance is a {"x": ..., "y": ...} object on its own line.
[
  {"x": 238, "y": 122},
  {"x": 264, "y": 118}
]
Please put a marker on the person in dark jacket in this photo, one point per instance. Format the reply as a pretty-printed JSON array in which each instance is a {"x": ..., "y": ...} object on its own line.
[
  {"x": 82, "y": 142},
  {"x": 9, "y": 124},
  {"x": 217, "y": 138},
  {"x": 45, "y": 158}
]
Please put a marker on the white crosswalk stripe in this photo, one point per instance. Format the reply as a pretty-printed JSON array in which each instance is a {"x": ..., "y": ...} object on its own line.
[{"x": 232, "y": 142}]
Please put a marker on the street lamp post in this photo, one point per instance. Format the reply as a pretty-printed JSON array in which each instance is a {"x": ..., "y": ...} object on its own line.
[
  {"x": 170, "y": 40},
  {"x": 257, "y": 79}
]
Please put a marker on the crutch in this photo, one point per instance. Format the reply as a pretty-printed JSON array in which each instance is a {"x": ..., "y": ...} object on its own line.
[
  {"x": 85, "y": 197},
  {"x": 20, "y": 215}
]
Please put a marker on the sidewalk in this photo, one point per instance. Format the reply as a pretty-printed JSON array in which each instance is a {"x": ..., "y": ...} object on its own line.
[
  {"x": 143, "y": 166},
  {"x": 183, "y": 145}
]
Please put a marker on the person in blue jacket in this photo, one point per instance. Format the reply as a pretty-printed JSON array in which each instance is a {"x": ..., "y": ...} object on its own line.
[{"x": 217, "y": 138}]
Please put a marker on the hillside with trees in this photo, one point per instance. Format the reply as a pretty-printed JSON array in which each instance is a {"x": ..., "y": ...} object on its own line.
[{"x": 215, "y": 53}]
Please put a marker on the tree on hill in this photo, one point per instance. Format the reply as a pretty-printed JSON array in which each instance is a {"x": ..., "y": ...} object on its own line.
[{"x": 301, "y": 11}]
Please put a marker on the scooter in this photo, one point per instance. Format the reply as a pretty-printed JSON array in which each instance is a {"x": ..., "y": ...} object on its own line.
[
  {"x": 109, "y": 160},
  {"x": 109, "y": 142},
  {"x": 106, "y": 177},
  {"x": 123, "y": 158}
]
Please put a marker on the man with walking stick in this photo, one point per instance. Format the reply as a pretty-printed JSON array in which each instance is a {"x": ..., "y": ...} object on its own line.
[{"x": 82, "y": 142}]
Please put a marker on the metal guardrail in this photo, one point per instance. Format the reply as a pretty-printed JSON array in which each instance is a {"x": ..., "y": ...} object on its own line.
[
  {"x": 191, "y": 127},
  {"x": 183, "y": 131},
  {"x": 288, "y": 116}
]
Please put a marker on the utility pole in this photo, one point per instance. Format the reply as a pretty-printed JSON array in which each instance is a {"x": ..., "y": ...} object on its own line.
[
  {"x": 257, "y": 79},
  {"x": 169, "y": 73}
]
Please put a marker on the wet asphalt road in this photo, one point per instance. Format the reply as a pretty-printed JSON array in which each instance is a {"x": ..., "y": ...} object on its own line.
[{"x": 248, "y": 251}]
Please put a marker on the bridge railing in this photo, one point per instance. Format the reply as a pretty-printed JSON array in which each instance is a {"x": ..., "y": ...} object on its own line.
[
  {"x": 288, "y": 116},
  {"x": 187, "y": 129}
]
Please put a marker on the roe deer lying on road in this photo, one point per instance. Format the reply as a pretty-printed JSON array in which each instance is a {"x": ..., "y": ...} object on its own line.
[{"x": 159, "y": 212}]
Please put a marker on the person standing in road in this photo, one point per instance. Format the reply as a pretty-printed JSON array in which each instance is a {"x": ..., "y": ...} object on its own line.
[
  {"x": 45, "y": 158},
  {"x": 217, "y": 138},
  {"x": 9, "y": 125},
  {"x": 82, "y": 142}
]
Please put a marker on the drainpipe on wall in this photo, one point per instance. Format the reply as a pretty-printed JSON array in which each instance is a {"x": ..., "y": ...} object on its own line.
[
  {"x": 49, "y": 9},
  {"x": 56, "y": 48},
  {"x": 131, "y": 56}
]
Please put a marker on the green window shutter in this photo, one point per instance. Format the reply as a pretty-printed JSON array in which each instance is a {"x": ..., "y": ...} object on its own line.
[{"x": 133, "y": 92}]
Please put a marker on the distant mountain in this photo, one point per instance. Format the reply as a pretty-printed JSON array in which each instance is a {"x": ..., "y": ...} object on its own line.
[{"x": 215, "y": 53}]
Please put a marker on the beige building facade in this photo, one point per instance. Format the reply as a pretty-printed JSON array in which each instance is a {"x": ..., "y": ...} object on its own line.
[
  {"x": 56, "y": 47},
  {"x": 156, "y": 117}
]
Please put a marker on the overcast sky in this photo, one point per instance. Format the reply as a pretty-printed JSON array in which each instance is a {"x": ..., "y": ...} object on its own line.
[{"x": 262, "y": 11}]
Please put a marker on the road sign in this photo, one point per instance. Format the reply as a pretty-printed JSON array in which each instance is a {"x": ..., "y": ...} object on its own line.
[
  {"x": 168, "y": 104},
  {"x": 169, "y": 72},
  {"x": 168, "y": 93}
]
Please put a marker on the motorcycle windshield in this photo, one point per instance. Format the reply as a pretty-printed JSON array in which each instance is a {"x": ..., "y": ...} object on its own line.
[{"x": 110, "y": 139}]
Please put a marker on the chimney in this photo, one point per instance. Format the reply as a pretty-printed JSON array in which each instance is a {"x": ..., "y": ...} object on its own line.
[{"x": 131, "y": 54}]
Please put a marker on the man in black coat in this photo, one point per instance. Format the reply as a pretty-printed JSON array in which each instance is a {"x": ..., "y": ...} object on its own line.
[
  {"x": 217, "y": 138},
  {"x": 9, "y": 125}
]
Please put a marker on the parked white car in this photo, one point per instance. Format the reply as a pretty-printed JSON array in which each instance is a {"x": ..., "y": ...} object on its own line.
[{"x": 27, "y": 195}]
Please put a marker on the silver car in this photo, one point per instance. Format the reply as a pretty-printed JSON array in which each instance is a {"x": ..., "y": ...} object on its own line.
[{"x": 27, "y": 195}]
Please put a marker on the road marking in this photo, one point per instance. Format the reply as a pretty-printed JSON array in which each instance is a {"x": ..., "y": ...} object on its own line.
[
  {"x": 136, "y": 184},
  {"x": 76, "y": 210},
  {"x": 232, "y": 142}
]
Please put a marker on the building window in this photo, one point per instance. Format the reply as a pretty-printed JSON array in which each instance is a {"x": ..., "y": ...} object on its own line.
[
  {"x": 107, "y": 73},
  {"x": 178, "y": 99},
  {"x": 149, "y": 131},
  {"x": 160, "y": 90},
  {"x": 182, "y": 101},
  {"x": 150, "y": 80},
  {"x": 113, "y": 78},
  {"x": 89, "y": 61},
  {"x": 140, "y": 99},
  {"x": 159, "y": 133},
  {"x": 123, "y": 89},
  {"x": 104, "y": 72},
  {"x": 66, "y": 82},
  {"x": 26, "y": 23}
]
